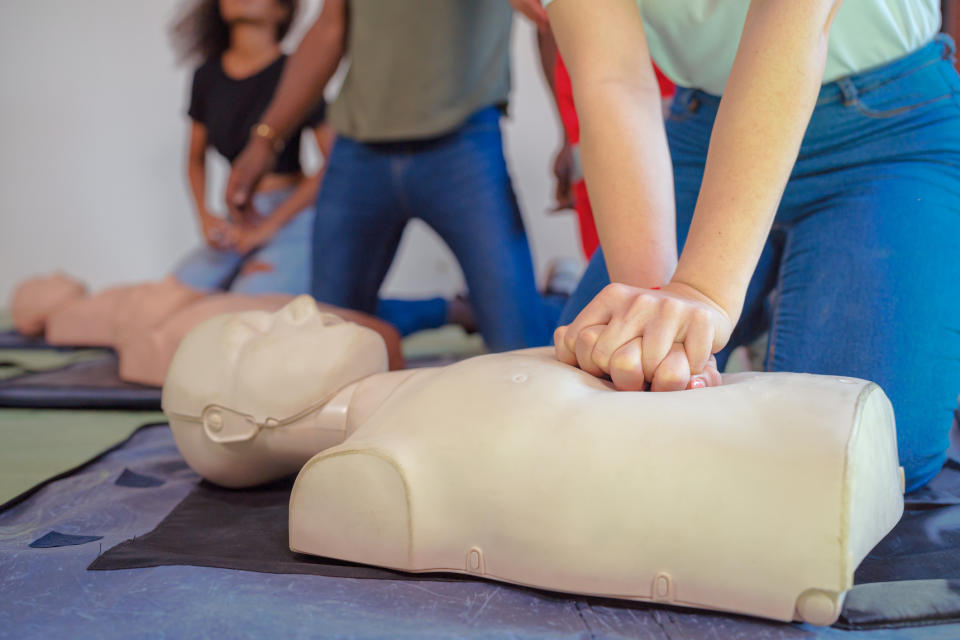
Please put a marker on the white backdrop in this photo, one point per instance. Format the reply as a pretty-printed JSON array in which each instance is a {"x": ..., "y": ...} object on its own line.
[{"x": 93, "y": 146}]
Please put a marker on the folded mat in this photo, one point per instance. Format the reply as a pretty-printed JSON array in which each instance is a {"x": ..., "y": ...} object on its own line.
[
  {"x": 90, "y": 383},
  {"x": 247, "y": 529}
]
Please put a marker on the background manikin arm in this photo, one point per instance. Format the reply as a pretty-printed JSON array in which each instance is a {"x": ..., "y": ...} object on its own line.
[{"x": 769, "y": 97}]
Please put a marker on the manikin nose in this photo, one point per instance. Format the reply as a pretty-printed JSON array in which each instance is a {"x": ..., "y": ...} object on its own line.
[{"x": 300, "y": 309}]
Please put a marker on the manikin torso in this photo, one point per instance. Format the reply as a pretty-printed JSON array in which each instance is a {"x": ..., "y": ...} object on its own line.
[{"x": 759, "y": 496}]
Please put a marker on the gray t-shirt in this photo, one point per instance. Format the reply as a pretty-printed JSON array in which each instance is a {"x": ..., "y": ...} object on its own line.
[{"x": 420, "y": 68}]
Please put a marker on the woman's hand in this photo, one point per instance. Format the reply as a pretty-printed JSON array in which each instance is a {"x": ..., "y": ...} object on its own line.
[
  {"x": 664, "y": 337},
  {"x": 217, "y": 232}
]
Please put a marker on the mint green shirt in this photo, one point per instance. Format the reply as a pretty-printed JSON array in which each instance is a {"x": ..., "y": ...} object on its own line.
[{"x": 694, "y": 41}]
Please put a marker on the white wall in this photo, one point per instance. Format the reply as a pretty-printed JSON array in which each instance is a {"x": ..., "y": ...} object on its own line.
[{"x": 92, "y": 149}]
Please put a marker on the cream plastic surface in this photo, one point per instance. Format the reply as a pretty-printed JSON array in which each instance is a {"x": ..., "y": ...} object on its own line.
[
  {"x": 244, "y": 390},
  {"x": 145, "y": 355},
  {"x": 760, "y": 496}
]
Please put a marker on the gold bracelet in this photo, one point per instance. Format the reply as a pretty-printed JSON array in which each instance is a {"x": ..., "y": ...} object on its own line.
[{"x": 268, "y": 133}]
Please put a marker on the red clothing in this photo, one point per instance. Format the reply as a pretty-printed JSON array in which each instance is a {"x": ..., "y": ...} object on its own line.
[{"x": 568, "y": 115}]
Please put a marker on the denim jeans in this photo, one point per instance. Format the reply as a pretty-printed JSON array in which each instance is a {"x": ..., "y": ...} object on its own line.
[
  {"x": 860, "y": 275},
  {"x": 287, "y": 253},
  {"x": 458, "y": 184}
]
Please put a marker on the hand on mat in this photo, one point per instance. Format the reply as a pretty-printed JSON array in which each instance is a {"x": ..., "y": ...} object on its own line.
[
  {"x": 217, "y": 232},
  {"x": 254, "y": 162},
  {"x": 662, "y": 339},
  {"x": 534, "y": 10}
]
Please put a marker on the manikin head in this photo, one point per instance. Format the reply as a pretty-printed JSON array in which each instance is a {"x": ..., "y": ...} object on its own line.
[{"x": 243, "y": 389}]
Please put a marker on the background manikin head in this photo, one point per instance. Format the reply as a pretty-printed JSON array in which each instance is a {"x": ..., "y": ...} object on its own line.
[
  {"x": 238, "y": 373},
  {"x": 270, "y": 365},
  {"x": 35, "y": 299}
]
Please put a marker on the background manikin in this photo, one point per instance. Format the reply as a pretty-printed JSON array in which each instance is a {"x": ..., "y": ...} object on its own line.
[
  {"x": 759, "y": 496},
  {"x": 143, "y": 322}
]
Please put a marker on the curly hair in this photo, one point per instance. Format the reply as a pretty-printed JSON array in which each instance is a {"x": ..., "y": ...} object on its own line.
[{"x": 199, "y": 32}]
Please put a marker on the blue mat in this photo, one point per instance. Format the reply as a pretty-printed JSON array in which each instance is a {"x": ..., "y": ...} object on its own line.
[
  {"x": 47, "y": 592},
  {"x": 90, "y": 384}
]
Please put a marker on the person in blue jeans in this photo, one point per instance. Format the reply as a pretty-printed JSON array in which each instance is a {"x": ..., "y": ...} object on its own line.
[
  {"x": 810, "y": 171},
  {"x": 269, "y": 249},
  {"x": 418, "y": 136}
]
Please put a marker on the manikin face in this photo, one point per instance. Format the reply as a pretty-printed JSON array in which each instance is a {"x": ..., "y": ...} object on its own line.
[
  {"x": 270, "y": 365},
  {"x": 253, "y": 11}
]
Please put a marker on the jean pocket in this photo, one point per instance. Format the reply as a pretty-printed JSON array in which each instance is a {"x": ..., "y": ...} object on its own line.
[
  {"x": 922, "y": 87},
  {"x": 898, "y": 107}
]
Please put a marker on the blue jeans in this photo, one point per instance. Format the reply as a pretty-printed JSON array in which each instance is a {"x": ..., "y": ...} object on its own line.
[
  {"x": 288, "y": 253},
  {"x": 458, "y": 184},
  {"x": 860, "y": 275}
]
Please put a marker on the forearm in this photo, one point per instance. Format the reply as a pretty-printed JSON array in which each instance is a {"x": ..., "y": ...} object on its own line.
[
  {"x": 302, "y": 197},
  {"x": 767, "y": 103},
  {"x": 623, "y": 145},
  {"x": 307, "y": 72},
  {"x": 627, "y": 167},
  {"x": 197, "y": 177}
]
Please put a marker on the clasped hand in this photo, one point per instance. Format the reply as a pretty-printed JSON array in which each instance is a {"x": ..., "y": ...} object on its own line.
[{"x": 661, "y": 340}]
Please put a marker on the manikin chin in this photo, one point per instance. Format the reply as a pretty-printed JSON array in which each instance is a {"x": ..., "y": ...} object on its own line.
[{"x": 760, "y": 496}]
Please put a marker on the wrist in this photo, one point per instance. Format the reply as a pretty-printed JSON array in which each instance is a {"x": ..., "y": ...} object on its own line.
[
  {"x": 268, "y": 137},
  {"x": 704, "y": 292}
]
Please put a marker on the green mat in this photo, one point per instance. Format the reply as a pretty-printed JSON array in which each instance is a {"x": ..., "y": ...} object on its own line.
[{"x": 36, "y": 444}]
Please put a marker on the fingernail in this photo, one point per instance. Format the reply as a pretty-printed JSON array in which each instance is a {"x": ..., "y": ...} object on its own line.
[{"x": 698, "y": 383}]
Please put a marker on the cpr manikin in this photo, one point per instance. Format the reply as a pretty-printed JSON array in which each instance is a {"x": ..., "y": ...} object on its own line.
[
  {"x": 760, "y": 496},
  {"x": 143, "y": 322},
  {"x": 37, "y": 298}
]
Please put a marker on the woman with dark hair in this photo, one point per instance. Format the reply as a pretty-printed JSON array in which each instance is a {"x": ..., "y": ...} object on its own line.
[{"x": 268, "y": 251}]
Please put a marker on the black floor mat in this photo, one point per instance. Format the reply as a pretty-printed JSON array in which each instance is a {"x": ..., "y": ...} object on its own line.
[
  {"x": 247, "y": 530},
  {"x": 91, "y": 384},
  {"x": 12, "y": 339},
  {"x": 234, "y": 529}
]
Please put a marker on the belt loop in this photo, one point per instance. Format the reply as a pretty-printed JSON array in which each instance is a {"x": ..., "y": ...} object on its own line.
[{"x": 849, "y": 91}]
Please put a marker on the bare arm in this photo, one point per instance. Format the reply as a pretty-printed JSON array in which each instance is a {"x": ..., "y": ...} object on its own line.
[
  {"x": 301, "y": 86},
  {"x": 215, "y": 230},
  {"x": 769, "y": 97},
  {"x": 308, "y": 70},
  {"x": 197, "y": 167},
  {"x": 622, "y": 141}
]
